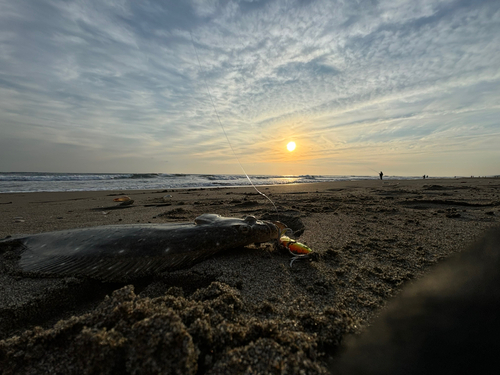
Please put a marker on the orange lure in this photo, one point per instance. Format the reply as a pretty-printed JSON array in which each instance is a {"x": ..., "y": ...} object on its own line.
[
  {"x": 294, "y": 247},
  {"x": 297, "y": 249}
]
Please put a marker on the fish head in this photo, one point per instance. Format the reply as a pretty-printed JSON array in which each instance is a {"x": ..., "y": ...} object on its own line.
[{"x": 247, "y": 230}]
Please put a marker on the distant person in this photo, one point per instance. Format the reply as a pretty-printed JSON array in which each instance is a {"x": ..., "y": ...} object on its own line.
[
  {"x": 424, "y": 176},
  {"x": 381, "y": 174}
]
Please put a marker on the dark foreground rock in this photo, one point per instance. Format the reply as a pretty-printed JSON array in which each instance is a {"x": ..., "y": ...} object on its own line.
[{"x": 446, "y": 322}]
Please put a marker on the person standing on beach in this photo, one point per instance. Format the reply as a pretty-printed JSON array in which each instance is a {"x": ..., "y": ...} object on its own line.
[{"x": 381, "y": 174}]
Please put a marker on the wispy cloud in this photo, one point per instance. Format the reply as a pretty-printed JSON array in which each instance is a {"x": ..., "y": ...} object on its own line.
[{"x": 116, "y": 86}]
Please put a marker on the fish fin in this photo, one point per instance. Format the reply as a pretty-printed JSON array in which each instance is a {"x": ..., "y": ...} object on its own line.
[
  {"x": 104, "y": 268},
  {"x": 207, "y": 219},
  {"x": 107, "y": 268}
]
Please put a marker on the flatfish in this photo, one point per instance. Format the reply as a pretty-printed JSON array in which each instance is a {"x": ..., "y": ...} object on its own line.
[{"x": 118, "y": 252}]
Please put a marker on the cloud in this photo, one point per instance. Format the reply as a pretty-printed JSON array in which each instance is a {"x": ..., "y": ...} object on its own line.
[{"x": 371, "y": 81}]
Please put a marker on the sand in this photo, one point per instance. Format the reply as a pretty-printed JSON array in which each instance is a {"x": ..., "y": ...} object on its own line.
[{"x": 244, "y": 310}]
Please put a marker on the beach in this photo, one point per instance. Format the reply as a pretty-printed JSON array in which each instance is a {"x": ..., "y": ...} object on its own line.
[{"x": 245, "y": 310}]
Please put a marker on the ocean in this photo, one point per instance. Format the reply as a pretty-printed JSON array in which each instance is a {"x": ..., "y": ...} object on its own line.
[{"x": 21, "y": 182}]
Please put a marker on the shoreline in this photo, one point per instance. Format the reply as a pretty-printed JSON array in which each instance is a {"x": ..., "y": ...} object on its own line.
[
  {"x": 372, "y": 238},
  {"x": 168, "y": 185},
  {"x": 35, "y": 212}
]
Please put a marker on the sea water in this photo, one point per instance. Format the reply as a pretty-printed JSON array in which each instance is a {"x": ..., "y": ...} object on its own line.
[{"x": 16, "y": 182}]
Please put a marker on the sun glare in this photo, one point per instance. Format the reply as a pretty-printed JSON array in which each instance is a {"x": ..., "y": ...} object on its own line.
[{"x": 290, "y": 146}]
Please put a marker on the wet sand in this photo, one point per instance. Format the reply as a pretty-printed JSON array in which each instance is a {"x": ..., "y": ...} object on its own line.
[{"x": 244, "y": 310}]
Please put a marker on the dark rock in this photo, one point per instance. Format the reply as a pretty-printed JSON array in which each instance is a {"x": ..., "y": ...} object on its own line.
[{"x": 446, "y": 322}]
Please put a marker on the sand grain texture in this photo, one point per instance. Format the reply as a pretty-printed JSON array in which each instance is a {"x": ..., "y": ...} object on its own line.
[{"x": 245, "y": 310}]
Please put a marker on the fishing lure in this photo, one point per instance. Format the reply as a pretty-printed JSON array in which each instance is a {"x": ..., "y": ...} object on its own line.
[{"x": 297, "y": 249}]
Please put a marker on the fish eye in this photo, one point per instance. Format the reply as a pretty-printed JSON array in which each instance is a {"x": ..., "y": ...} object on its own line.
[
  {"x": 244, "y": 229},
  {"x": 250, "y": 219}
]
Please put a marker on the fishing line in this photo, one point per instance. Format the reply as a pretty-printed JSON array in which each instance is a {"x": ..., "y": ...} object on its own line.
[{"x": 224, "y": 130}]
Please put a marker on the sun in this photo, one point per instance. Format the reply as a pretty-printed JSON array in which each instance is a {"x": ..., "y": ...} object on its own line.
[{"x": 290, "y": 146}]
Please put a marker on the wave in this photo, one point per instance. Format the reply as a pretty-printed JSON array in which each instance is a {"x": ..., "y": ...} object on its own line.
[
  {"x": 11, "y": 182},
  {"x": 309, "y": 177},
  {"x": 145, "y": 175},
  {"x": 219, "y": 177},
  {"x": 31, "y": 176}
]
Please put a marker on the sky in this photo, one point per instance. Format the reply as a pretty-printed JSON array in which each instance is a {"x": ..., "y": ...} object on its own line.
[{"x": 406, "y": 87}]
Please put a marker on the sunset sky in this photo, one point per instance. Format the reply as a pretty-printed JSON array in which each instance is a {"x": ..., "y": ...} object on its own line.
[{"x": 407, "y": 87}]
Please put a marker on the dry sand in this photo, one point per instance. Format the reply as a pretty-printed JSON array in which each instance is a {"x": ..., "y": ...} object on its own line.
[{"x": 245, "y": 310}]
